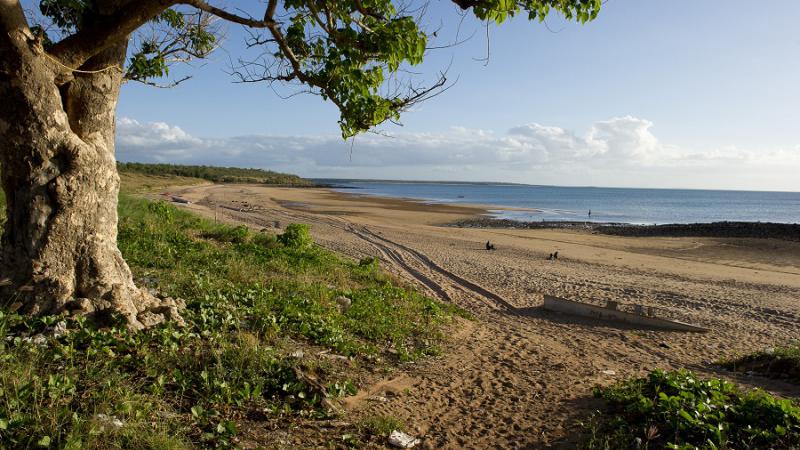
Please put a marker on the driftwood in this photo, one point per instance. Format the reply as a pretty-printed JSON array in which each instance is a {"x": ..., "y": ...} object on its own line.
[{"x": 642, "y": 315}]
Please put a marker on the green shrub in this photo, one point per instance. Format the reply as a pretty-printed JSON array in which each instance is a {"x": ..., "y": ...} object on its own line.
[
  {"x": 778, "y": 362},
  {"x": 225, "y": 233},
  {"x": 678, "y": 410},
  {"x": 264, "y": 240},
  {"x": 296, "y": 235},
  {"x": 161, "y": 209},
  {"x": 370, "y": 264}
]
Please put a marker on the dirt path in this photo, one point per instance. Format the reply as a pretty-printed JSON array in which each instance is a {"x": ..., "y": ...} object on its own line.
[{"x": 518, "y": 376}]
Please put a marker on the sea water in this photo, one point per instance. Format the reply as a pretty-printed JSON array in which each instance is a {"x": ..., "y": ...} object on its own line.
[{"x": 624, "y": 205}]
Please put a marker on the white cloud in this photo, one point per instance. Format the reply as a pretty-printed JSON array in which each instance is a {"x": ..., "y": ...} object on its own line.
[
  {"x": 157, "y": 135},
  {"x": 622, "y": 151},
  {"x": 625, "y": 139}
]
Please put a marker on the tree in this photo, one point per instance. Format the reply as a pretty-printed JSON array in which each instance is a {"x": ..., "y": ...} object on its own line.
[{"x": 61, "y": 69}]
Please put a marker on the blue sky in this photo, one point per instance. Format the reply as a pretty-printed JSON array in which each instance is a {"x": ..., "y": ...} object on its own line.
[{"x": 652, "y": 94}]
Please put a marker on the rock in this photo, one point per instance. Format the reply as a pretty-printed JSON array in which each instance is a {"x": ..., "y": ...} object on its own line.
[
  {"x": 167, "y": 414},
  {"x": 148, "y": 282},
  {"x": 298, "y": 354},
  {"x": 402, "y": 440},
  {"x": 60, "y": 329},
  {"x": 663, "y": 345},
  {"x": 332, "y": 356},
  {"x": 343, "y": 302},
  {"x": 38, "y": 339},
  {"x": 608, "y": 372},
  {"x": 106, "y": 421}
]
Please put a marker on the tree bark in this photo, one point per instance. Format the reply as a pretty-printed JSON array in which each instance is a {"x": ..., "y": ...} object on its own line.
[{"x": 59, "y": 247}]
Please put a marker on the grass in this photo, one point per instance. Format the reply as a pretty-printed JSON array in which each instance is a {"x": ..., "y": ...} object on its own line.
[
  {"x": 251, "y": 299},
  {"x": 778, "y": 362},
  {"x": 678, "y": 410},
  {"x": 281, "y": 283},
  {"x": 135, "y": 183},
  {"x": 381, "y": 425}
]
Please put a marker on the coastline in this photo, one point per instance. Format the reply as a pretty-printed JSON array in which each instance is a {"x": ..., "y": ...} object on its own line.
[
  {"x": 483, "y": 218},
  {"x": 760, "y": 230},
  {"x": 526, "y": 203}
]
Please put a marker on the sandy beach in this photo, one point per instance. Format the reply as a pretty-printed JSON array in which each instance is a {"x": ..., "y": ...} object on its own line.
[{"x": 519, "y": 376}]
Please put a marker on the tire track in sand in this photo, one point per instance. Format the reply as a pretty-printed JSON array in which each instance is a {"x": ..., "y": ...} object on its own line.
[{"x": 395, "y": 248}]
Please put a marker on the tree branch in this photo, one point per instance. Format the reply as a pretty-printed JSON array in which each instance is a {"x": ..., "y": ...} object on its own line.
[
  {"x": 158, "y": 85},
  {"x": 270, "y": 12},
  {"x": 76, "y": 49},
  {"x": 266, "y": 22}
]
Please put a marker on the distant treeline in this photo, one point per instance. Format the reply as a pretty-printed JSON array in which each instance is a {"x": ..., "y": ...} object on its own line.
[{"x": 216, "y": 174}]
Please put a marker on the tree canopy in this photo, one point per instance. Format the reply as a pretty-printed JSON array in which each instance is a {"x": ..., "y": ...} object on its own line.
[{"x": 348, "y": 51}]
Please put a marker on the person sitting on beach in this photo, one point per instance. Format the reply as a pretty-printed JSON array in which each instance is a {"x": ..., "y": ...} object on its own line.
[
  {"x": 555, "y": 255},
  {"x": 550, "y": 258},
  {"x": 489, "y": 246}
]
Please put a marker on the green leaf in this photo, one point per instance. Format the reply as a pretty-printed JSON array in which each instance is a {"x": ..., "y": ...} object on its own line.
[{"x": 197, "y": 411}]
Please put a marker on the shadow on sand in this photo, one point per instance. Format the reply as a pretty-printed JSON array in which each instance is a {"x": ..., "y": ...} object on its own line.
[{"x": 539, "y": 312}]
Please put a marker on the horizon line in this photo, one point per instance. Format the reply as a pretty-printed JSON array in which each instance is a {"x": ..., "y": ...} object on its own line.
[{"x": 509, "y": 183}]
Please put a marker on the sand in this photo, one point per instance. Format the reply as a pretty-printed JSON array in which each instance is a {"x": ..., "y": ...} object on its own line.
[{"x": 518, "y": 376}]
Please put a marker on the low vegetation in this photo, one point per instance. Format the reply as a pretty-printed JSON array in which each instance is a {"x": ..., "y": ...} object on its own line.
[
  {"x": 381, "y": 425},
  {"x": 215, "y": 174},
  {"x": 779, "y": 362},
  {"x": 252, "y": 300},
  {"x": 678, "y": 410}
]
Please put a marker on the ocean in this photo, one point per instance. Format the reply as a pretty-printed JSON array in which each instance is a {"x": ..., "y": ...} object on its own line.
[{"x": 622, "y": 205}]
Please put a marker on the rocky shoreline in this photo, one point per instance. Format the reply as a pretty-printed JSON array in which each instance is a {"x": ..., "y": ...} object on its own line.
[{"x": 761, "y": 230}]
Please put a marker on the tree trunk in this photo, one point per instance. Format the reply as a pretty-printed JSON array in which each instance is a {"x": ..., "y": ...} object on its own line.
[{"x": 59, "y": 247}]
